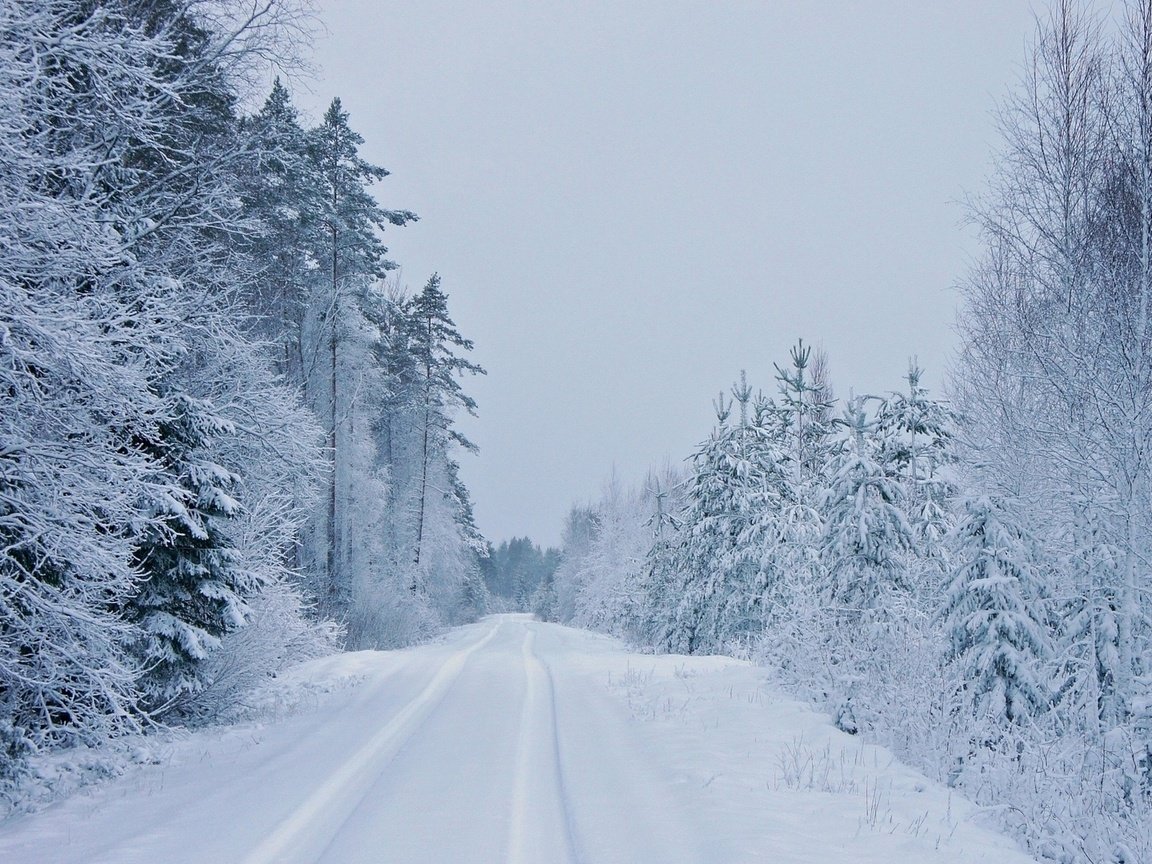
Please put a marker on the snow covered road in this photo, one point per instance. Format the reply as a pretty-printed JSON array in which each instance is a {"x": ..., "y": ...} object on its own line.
[{"x": 517, "y": 741}]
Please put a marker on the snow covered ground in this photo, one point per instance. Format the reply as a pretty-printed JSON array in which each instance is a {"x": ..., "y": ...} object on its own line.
[{"x": 517, "y": 741}]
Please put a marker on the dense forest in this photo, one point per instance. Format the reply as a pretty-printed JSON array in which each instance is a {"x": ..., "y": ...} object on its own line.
[
  {"x": 966, "y": 579},
  {"x": 517, "y": 571},
  {"x": 226, "y": 433}
]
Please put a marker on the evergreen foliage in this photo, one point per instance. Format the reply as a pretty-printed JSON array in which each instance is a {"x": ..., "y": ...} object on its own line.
[
  {"x": 739, "y": 475},
  {"x": 432, "y": 343},
  {"x": 872, "y": 561},
  {"x": 193, "y": 586},
  {"x": 517, "y": 569},
  {"x": 283, "y": 195},
  {"x": 865, "y": 525}
]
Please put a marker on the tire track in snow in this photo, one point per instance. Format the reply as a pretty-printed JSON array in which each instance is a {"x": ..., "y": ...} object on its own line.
[
  {"x": 558, "y": 770},
  {"x": 539, "y": 825},
  {"x": 623, "y": 806},
  {"x": 308, "y": 831}
]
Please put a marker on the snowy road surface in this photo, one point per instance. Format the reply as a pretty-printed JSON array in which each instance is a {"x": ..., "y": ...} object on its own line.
[{"x": 517, "y": 741}]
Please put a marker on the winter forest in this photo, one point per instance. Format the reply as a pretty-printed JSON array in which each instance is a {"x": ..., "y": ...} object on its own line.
[
  {"x": 965, "y": 579},
  {"x": 229, "y": 434},
  {"x": 228, "y": 438}
]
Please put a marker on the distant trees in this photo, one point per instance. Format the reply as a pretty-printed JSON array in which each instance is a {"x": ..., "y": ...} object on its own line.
[
  {"x": 428, "y": 544},
  {"x": 520, "y": 573},
  {"x": 604, "y": 570}
]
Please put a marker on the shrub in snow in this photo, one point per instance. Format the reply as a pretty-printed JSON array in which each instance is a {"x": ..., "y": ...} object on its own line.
[{"x": 278, "y": 635}]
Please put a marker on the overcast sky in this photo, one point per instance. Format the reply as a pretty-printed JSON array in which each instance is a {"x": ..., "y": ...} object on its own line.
[{"x": 629, "y": 202}]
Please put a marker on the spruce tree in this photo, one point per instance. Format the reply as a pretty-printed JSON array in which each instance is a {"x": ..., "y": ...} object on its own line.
[
  {"x": 75, "y": 380},
  {"x": 193, "y": 586},
  {"x": 993, "y": 610}
]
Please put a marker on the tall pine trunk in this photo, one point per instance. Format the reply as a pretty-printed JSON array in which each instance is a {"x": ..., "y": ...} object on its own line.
[
  {"x": 423, "y": 468},
  {"x": 332, "y": 574}
]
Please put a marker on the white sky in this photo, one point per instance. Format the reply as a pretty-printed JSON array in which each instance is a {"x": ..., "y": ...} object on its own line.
[{"x": 631, "y": 201}]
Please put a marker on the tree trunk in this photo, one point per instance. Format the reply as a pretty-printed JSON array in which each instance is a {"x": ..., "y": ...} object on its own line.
[
  {"x": 423, "y": 459},
  {"x": 333, "y": 574}
]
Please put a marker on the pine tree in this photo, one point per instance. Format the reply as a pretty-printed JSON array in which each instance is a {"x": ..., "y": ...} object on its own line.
[
  {"x": 284, "y": 197},
  {"x": 916, "y": 445},
  {"x": 658, "y": 580},
  {"x": 473, "y": 546},
  {"x": 351, "y": 256},
  {"x": 724, "y": 572},
  {"x": 804, "y": 412},
  {"x": 865, "y": 522},
  {"x": 433, "y": 343},
  {"x": 916, "y": 437}
]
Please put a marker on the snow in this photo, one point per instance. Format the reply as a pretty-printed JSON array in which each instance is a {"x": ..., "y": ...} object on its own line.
[{"x": 516, "y": 741}]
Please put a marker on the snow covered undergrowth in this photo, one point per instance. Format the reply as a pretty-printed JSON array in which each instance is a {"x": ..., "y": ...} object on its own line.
[
  {"x": 59, "y": 774},
  {"x": 776, "y": 778},
  {"x": 531, "y": 742}
]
